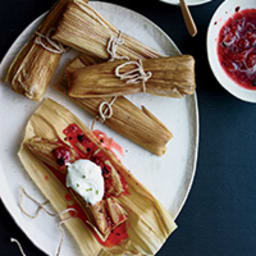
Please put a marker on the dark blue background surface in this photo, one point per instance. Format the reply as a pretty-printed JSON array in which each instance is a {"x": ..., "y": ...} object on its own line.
[{"x": 219, "y": 217}]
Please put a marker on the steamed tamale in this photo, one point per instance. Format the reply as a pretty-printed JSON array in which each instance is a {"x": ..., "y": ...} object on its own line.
[
  {"x": 138, "y": 125},
  {"x": 169, "y": 76},
  {"x": 84, "y": 29},
  {"x": 148, "y": 223},
  {"x": 32, "y": 69}
]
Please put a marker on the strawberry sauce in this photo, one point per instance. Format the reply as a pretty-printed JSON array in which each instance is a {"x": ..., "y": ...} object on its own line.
[
  {"x": 237, "y": 48},
  {"x": 107, "y": 142}
]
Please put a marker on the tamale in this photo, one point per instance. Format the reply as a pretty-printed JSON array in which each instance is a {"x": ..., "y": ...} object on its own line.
[
  {"x": 34, "y": 66},
  {"x": 45, "y": 150},
  {"x": 169, "y": 76},
  {"x": 84, "y": 29},
  {"x": 148, "y": 224},
  {"x": 138, "y": 125}
]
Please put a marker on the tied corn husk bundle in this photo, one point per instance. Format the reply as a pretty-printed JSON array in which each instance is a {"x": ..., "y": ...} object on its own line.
[
  {"x": 148, "y": 223},
  {"x": 84, "y": 29},
  {"x": 170, "y": 76},
  {"x": 138, "y": 125},
  {"x": 34, "y": 66}
]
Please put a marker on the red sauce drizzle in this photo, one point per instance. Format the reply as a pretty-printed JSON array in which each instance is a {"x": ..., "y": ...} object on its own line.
[
  {"x": 79, "y": 212},
  {"x": 61, "y": 176},
  {"x": 116, "y": 236},
  {"x": 108, "y": 142},
  {"x": 237, "y": 48},
  {"x": 46, "y": 177},
  {"x": 75, "y": 136},
  {"x": 68, "y": 197}
]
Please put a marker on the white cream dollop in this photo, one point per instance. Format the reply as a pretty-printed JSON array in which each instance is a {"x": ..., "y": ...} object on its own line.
[{"x": 85, "y": 178}]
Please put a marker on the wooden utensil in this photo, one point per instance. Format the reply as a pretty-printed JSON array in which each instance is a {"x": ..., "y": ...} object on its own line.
[{"x": 190, "y": 24}]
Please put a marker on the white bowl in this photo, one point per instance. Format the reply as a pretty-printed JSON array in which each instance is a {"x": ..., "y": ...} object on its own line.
[
  {"x": 222, "y": 14},
  {"x": 189, "y": 2}
]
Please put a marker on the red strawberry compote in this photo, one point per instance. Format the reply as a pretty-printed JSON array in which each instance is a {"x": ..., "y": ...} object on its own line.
[{"x": 237, "y": 48}]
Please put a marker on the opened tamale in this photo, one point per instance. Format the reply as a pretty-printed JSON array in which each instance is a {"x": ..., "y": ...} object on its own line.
[
  {"x": 148, "y": 224},
  {"x": 44, "y": 149},
  {"x": 138, "y": 125},
  {"x": 33, "y": 68},
  {"x": 169, "y": 76},
  {"x": 84, "y": 29}
]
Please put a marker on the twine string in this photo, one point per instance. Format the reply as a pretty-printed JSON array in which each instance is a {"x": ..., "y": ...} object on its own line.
[
  {"x": 113, "y": 43},
  {"x": 55, "y": 46},
  {"x": 60, "y": 226},
  {"x": 105, "y": 111},
  {"x": 134, "y": 76},
  {"x": 13, "y": 240},
  {"x": 41, "y": 206}
]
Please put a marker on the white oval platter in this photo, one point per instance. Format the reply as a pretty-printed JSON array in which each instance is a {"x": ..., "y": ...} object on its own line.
[{"x": 169, "y": 178}]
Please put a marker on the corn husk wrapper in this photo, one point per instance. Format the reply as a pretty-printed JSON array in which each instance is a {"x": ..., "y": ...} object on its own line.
[
  {"x": 148, "y": 224},
  {"x": 138, "y": 125},
  {"x": 84, "y": 29},
  {"x": 171, "y": 77},
  {"x": 33, "y": 68}
]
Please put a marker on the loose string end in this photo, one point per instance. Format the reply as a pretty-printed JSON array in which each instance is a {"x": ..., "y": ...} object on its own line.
[{"x": 13, "y": 240}]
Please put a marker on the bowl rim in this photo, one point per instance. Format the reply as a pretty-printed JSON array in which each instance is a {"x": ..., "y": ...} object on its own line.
[{"x": 199, "y": 2}]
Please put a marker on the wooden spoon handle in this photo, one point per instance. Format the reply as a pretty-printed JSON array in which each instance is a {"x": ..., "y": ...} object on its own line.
[{"x": 191, "y": 26}]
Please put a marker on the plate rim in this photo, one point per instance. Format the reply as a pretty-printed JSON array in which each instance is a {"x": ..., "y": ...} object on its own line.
[{"x": 195, "y": 123}]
